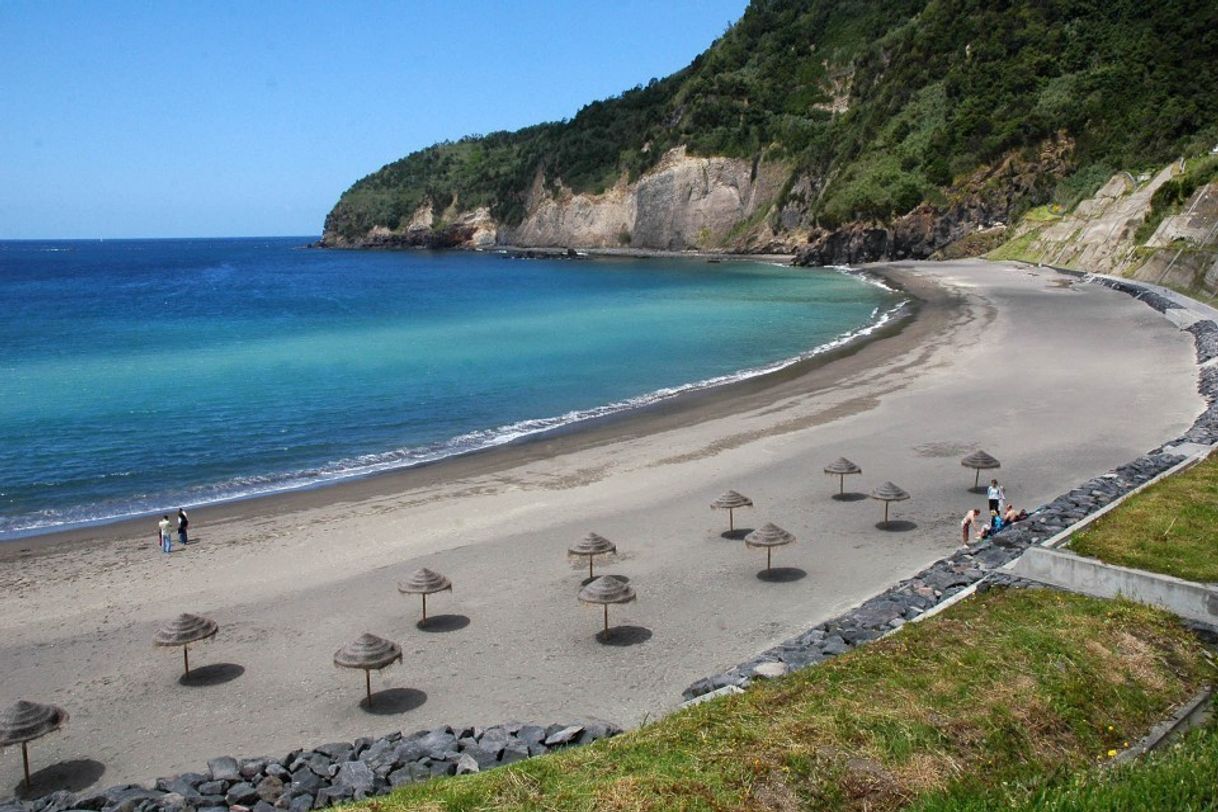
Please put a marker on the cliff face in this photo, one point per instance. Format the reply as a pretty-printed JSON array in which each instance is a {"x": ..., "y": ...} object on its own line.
[
  {"x": 1160, "y": 227},
  {"x": 684, "y": 202}
]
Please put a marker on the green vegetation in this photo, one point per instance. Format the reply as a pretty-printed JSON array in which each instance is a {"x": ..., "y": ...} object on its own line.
[
  {"x": 1002, "y": 692},
  {"x": 1167, "y": 528},
  {"x": 1180, "y": 779},
  {"x": 1019, "y": 248},
  {"x": 888, "y": 102},
  {"x": 1171, "y": 197}
]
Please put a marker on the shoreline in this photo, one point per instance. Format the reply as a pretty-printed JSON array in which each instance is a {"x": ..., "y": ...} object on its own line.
[
  {"x": 290, "y": 583},
  {"x": 700, "y": 403}
]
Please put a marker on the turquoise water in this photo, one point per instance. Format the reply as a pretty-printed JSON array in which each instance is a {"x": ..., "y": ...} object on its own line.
[{"x": 139, "y": 375}]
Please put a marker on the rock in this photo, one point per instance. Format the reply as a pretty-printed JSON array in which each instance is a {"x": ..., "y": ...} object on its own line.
[
  {"x": 305, "y": 780},
  {"x": 594, "y": 731},
  {"x": 834, "y": 645},
  {"x": 438, "y": 742},
  {"x": 409, "y": 751},
  {"x": 516, "y": 751},
  {"x": 301, "y": 803},
  {"x": 377, "y": 753},
  {"x": 251, "y": 768},
  {"x": 263, "y": 806},
  {"x": 483, "y": 757},
  {"x": 562, "y": 736},
  {"x": 531, "y": 734},
  {"x": 269, "y": 789},
  {"x": 409, "y": 774},
  {"x": 335, "y": 751},
  {"x": 769, "y": 670},
  {"x": 243, "y": 793},
  {"x": 277, "y": 770},
  {"x": 224, "y": 768},
  {"x": 495, "y": 739},
  {"x": 327, "y": 796},
  {"x": 358, "y": 776},
  {"x": 466, "y": 764}
]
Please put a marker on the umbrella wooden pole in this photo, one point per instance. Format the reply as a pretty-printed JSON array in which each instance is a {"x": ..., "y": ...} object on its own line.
[
  {"x": 767, "y": 558},
  {"x": 25, "y": 763},
  {"x": 977, "y": 478},
  {"x": 731, "y": 521},
  {"x": 424, "y": 606},
  {"x": 186, "y": 659},
  {"x": 885, "y": 514},
  {"x": 368, "y": 685},
  {"x": 590, "y": 566},
  {"x": 606, "y": 608},
  {"x": 841, "y": 484}
]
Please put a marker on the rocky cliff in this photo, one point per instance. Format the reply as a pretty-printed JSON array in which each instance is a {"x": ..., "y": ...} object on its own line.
[{"x": 1159, "y": 227}]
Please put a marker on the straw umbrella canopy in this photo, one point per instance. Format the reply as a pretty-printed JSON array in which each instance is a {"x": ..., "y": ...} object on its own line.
[
  {"x": 369, "y": 653},
  {"x": 768, "y": 536},
  {"x": 889, "y": 493},
  {"x": 980, "y": 461},
  {"x": 731, "y": 501},
  {"x": 841, "y": 468},
  {"x": 23, "y": 722},
  {"x": 606, "y": 590},
  {"x": 184, "y": 630},
  {"x": 591, "y": 546},
  {"x": 424, "y": 582}
]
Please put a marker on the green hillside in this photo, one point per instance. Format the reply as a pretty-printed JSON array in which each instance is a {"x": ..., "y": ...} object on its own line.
[{"x": 880, "y": 104}]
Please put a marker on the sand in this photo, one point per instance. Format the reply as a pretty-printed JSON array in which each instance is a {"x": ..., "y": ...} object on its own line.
[{"x": 1059, "y": 380}]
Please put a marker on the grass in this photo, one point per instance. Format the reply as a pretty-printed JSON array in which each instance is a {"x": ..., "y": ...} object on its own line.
[
  {"x": 1179, "y": 778},
  {"x": 1018, "y": 248},
  {"x": 1004, "y": 689},
  {"x": 1167, "y": 528}
]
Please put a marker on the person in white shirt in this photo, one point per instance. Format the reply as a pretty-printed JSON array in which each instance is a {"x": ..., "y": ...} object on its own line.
[
  {"x": 996, "y": 496},
  {"x": 166, "y": 540}
]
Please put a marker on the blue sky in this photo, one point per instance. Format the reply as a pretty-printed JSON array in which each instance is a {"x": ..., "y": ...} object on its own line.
[{"x": 162, "y": 119}]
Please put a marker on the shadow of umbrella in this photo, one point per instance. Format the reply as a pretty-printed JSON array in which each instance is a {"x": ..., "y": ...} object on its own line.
[
  {"x": 888, "y": 493},
  {"x": 212, "y": 674},
  {"x": 624, "y": 636},
  {"x": 73, "y": 776},
  {"x": 731, "y": 501},
  {"x": 606, "y": 590},
  {"x": 184, "y": 630},
  {"x": 442, "y": 623},
  {"x": 393, "y": 701},
  {"x": 23, "y": 722},
  {"x": 979, "y": 461},
  {"x": 896, "y": 526},
  {"x": 782, "y": 575},
  {"x": 369, "y": 653}
]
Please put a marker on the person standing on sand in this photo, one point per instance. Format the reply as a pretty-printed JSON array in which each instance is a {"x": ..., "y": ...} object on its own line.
[
  {"x": 166, "y": 541},
  {"x": 968, "y": 523},
  {"x": 996, "y": 495},
  {"x": 183, "y": 522}
]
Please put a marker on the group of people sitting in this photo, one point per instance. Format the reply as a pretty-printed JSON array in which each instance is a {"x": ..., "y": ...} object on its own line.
[{"x": 1001, "y": 515}]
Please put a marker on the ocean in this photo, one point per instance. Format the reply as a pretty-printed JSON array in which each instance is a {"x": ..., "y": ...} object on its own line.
[{"x": 137, "y": 376}]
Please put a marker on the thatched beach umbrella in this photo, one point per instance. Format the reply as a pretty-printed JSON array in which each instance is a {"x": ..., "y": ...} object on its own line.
[
  {"x": 841, "y": 468},
  {"x": 591, "y": 546},
  {"x": 606, "y": 590},
  {"x": 23, "y": 722},
  {"x": 424, "y": 582},
  {"x": 184, "y": 630},
  {"x": 889, "y": 493},
  {"x": 369, "y": 653},
  {"x": 731, "y": 501},
  {"x": 768, "y": 536},
  {"x": 980, "y": 461}
]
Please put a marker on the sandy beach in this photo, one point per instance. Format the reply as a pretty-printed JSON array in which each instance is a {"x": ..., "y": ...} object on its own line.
[{"x": 1058, "y": 379}]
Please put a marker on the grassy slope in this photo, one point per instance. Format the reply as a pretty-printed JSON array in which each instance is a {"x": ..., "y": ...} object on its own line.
[
  {"x": 1171, "y": 527},
  {"x": 936, "y": 89},
  {"x": 1003, "y": 690},
  {"x": 1179, "y": 778}
]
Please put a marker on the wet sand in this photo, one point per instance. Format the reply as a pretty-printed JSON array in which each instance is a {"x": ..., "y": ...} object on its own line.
[{"x": 1059, "y": 380}]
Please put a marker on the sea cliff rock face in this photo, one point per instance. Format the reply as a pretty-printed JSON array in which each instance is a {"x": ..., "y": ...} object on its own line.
[{"x": 685, "y": 202}]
